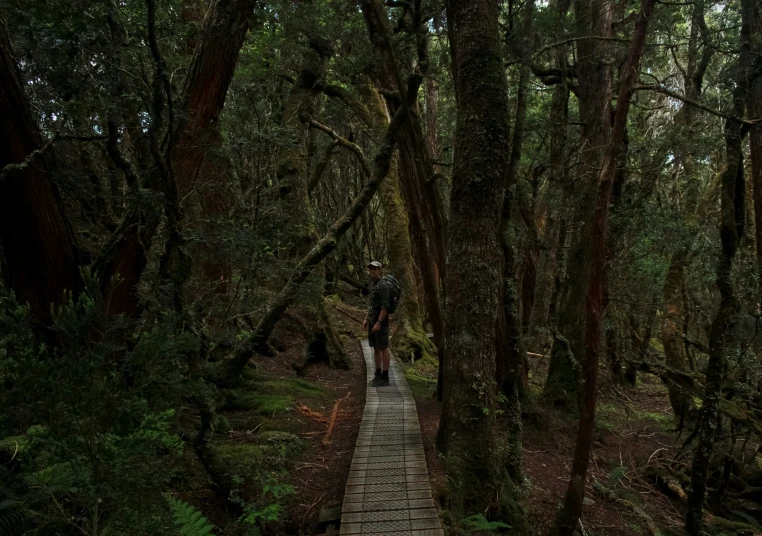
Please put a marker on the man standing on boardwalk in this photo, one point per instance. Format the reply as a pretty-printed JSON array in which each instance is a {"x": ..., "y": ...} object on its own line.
[{"x": 377, "y": 323}]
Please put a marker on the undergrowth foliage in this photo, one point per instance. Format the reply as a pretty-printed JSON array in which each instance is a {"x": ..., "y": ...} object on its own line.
[
  {"x": 90, "y": 435},
  {"x": 189, "y": 521},
  {"x": 99, "y": 429},
  {"x": 478, "y": 524}
]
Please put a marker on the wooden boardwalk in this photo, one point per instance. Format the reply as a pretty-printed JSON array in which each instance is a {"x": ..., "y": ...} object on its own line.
[{"x": 388, "y": 490}]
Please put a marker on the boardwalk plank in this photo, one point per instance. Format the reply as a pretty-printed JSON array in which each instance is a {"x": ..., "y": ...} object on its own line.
[{"x": 388, "y": 490}]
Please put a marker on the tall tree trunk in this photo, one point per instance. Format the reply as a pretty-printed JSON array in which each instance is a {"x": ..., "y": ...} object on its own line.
[
  {"x": 292, "y": 171},
  {"x": 476, "y": 472},
  {"x": 593, "y": 17},
  {"x": 568, "y": 516},
  {"x": 39, "y": 255},
  {"x": 416, "y": 172},
  {"x": 548, "y": 263},
  {"x": 292, "y": 159},
  {"x": 198, "y": 136},
  {"x": 410, "y": 340},
  {"x": 755, "y": 139},
  {"x": 671, "y": 333},
  {"x": 511, "y": 368},
  {"x": 732, "y": 201},
  {"x": 674, "y": 311}
]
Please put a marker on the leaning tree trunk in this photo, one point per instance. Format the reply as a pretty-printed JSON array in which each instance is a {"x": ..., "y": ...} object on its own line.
[
  {"x": 732, "y": 203},
  {"x": 568, "y": 516},
  {"x": 467, "y": 434},
  {"x": 39, "y": 256},
  {"x": 304, "y": 268}
]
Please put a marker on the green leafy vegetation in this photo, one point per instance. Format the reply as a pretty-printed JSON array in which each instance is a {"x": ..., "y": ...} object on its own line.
[
  {"x": 189, "y": 521},
  {"x": 421, "y": 377},
  {"x": 478, "y": 524}
]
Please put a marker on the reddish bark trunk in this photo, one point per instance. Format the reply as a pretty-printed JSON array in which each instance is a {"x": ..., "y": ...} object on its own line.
[
  {"x": 568, "y": 517},
  {"x": 204, "y": 94},
  {"x": 40, "y": 259},
  {"x": 427, "y": 228},
  {"x": 206, "y": 85},
  {"x": 211, "y": 71}
]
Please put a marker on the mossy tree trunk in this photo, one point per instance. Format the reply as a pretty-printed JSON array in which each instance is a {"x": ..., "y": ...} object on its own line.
[
  {"x": 592, "y": 17},
  {"x": 568, "y": 517},
  {"x": 467, "y": 435},
  {"x": 410, "y": 341},
  {"x": 293, "y": 175},
  {"x": 732, "y": 219}
]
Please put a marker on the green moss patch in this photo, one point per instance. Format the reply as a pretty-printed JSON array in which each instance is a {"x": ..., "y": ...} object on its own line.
[
  {"x": 422, "y": 377},
  {"x": 275, "y": 395}
]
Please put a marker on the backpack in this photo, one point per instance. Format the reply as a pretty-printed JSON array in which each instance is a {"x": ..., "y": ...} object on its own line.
[{"x": 395, "y": 291}]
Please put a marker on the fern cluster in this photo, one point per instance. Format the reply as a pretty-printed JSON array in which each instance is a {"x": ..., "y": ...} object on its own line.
[
  {"x": 478, "y": 524},
  {"x": 188, "y": 520},
  {"x": 89, "y": 438}
]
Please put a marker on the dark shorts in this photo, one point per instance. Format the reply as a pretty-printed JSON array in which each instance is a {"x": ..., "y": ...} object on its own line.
[{"x": 379, "y": 339}]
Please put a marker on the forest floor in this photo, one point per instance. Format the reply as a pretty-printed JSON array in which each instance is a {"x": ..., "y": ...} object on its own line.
[{"x": 634, "y": 428}]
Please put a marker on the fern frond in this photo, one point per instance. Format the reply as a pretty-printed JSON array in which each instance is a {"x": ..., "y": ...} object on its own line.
[
  {"x": 479, "y": 523},
  {"x": 748, "y": 519},
  {"x": 189, "y": 521},
  {"x": 12, "y": 523}
]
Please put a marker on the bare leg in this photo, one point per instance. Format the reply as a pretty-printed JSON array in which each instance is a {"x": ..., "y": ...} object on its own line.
[
  {"x": 377, "y": 352},
  {"x": 387, "y": 358}
]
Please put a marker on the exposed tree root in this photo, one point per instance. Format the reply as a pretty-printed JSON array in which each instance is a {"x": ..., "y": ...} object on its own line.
[
  {"x": 411, "y": 343},
  {"x": 613, "y": 496}
]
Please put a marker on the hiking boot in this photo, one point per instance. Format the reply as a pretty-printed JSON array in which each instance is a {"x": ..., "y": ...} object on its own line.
[
  {"x": 380, "y": 381},
  {"x": 376, "y": 376}
]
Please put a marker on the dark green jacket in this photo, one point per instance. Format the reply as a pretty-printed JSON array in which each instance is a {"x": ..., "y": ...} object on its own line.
[{"x": 379, "y": 298}]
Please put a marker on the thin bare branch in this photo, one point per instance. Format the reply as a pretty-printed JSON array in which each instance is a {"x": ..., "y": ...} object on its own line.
[
  {"x": 13, "y": 168},
  {"x": 695, "y": 104},
  {"x": 353, "y": 147}
]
